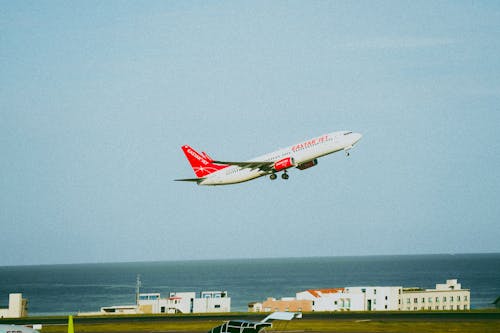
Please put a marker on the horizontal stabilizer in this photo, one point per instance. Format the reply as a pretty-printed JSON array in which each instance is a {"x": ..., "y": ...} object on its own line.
[{"x": 196, "y": 180}]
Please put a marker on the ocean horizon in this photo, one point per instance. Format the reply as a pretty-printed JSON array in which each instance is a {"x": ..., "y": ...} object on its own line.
[{"x": 59, "y": 289}]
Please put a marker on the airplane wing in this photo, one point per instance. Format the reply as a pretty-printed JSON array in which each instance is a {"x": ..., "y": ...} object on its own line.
[
  {"x": 264, "y": 166},
  {"x": 282, "y": 316}
]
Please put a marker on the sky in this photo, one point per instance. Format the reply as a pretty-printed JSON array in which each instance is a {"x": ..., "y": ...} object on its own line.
[{"x": 97, "y": 97}]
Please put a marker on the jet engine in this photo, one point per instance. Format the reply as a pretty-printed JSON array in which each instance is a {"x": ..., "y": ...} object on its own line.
[
  {"x": 283, "y": 164},
  {"x": 308, "y": 164}
]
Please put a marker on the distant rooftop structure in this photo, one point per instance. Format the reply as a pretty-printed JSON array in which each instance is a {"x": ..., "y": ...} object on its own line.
[{"x": 319, "y": 292}]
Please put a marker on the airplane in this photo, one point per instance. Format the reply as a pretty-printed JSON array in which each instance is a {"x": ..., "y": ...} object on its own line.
[
  {"x": 244, "y": 326},
  {"x": 302, "y": 156}
]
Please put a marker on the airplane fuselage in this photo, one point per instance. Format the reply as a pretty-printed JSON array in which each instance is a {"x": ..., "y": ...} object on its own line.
[{"x": 301, "y": 153}]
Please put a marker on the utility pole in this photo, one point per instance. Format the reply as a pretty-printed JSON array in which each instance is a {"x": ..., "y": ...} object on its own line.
[{"x": 137, "y": 289}]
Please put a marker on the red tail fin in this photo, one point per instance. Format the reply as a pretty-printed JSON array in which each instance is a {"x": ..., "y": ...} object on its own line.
[{"x": 201, "y": 163}]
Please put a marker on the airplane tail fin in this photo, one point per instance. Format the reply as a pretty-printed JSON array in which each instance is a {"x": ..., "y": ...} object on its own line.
[
  {"x": 202, "y": 164},
  {"x": 71, "y": 329}
]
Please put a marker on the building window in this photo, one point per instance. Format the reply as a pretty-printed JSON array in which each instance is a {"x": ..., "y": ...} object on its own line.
[
  {"x": 423, "y": 299},
  {"x": 429, "y": 299},
  {"x": 386, "y": 298},
  {"x": 217, "y": 306},
  {"x": 375, "y": 291},
  {"x": 437, "y": 299},
  {"x": 407, "y": 301},
  {"x": 415, "y": 300},
  {"x": 386, "y": 307},
  {"x": 437, "y": 307},
  {"x": 465, "y": 298},
  {"x": 444, "y": 298},
  {"x": 458, "y": 298},
  {"x": 451, "y": 298}
]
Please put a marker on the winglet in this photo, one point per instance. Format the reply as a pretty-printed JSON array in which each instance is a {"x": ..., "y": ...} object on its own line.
[{"x": 71, "y": 328}]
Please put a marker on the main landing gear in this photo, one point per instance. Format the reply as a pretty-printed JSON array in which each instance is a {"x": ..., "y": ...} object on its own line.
[{"x": 273, "y": 176}]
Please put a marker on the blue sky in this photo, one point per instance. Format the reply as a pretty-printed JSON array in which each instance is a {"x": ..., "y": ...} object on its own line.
[{"x": 96, "y": 99}]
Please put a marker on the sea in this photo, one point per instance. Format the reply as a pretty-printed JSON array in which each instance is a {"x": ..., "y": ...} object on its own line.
[{"x": 73, "y": 288}]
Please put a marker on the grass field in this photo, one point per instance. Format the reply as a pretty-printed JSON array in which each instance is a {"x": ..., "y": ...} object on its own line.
[{"x": 345, "y": 324}]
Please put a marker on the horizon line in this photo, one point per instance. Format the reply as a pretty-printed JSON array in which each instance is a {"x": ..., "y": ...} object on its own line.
[{"x": 251, "y": 258}]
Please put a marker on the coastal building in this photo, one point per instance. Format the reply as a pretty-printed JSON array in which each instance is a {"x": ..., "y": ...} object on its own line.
[
  {"x": 177, "y": 302},
  {"x": 376, "y": 298},
  {"x": 18, "y": 307},
  {"x": 286, "y": 304},
  {"x": 446, "y": 296},
  {"x": 333, "y": 299},
  {"x": 255, "y": 307},
  {"x": 207, "y": 302},
  {"x": 115, "y": 309}
]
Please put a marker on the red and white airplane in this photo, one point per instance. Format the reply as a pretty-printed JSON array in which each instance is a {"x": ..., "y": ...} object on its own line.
[{"x": 302, "y": 156}]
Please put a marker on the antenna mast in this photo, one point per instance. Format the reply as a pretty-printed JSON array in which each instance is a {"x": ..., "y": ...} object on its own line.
[{"x": 137, "y": 288}]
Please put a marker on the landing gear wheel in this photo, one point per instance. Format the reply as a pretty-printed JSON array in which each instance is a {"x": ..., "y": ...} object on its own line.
[
  {"x": 273, "y": 176},
  {"x": 284, "y": 176}
]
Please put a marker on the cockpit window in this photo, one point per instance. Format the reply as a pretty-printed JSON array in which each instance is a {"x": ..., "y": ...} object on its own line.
[{"x": 347, "y": 133}]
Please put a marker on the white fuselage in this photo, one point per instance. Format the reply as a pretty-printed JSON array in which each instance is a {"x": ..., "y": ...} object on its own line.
[{"x": 301, "y": 153}]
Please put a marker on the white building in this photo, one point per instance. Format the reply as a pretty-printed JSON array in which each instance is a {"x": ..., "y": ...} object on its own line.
[
  {"x": 115, "y": 309},
  {"x": 377, "y": 298},
  {"x": 333, "y": 299},
  {"x": 446, "y": 296},
  {"x": 17, "y": 307},
  {"x": 177, "y": 302},
  {"x": 212, "y": 301},
  {"x": 185, "y": 302}
]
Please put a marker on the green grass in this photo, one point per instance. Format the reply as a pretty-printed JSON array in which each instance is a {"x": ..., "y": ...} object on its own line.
[
  {"x": 393, "y": 327},
  {"x": 490, "y": 326}
]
